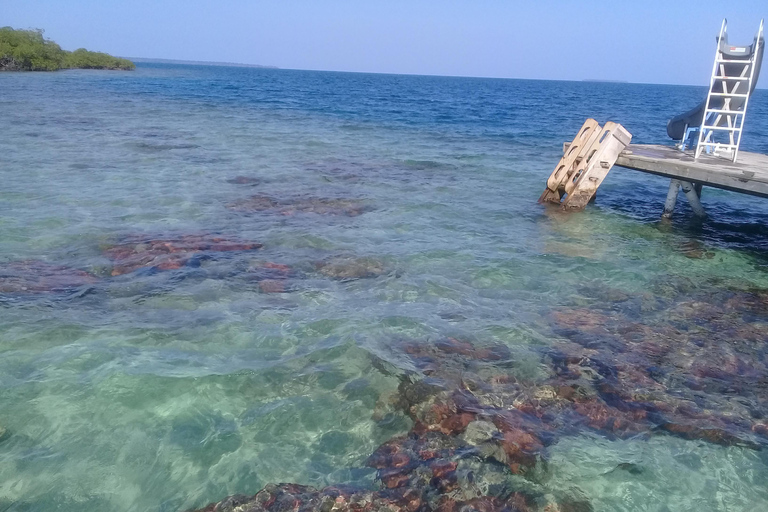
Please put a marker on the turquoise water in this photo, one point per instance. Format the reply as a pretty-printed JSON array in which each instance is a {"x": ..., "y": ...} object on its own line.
[{"x": 399, "y": 209}]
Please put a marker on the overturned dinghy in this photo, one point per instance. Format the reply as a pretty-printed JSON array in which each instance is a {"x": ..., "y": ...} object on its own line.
[{"x": 716, "y": 124}]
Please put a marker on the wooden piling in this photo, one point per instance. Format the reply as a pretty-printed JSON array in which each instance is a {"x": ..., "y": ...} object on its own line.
[{"x": 669, "y": 205}]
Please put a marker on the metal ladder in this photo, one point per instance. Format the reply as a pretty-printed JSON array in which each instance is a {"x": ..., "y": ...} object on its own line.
[{"x": 723, "y": 121}]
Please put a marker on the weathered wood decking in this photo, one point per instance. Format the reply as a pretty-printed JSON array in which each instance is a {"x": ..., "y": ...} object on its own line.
[{"x": 749, "y": 175}]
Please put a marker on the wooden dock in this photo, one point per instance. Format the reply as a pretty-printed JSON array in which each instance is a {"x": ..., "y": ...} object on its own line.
[{"x": 749, "y": 175}]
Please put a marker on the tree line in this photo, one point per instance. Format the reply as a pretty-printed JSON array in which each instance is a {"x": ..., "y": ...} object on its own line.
[{"x": 28, "y": 50}]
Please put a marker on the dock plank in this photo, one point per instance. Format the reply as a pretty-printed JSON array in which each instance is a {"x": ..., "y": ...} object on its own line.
[{"x": 749, "y": 175}]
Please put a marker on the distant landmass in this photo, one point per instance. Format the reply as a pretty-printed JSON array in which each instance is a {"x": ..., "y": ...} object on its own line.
[
  {"x": 605, "y": 81},
  {"x": 28, "y": 50},
  {"x": 201, "y": 63}
]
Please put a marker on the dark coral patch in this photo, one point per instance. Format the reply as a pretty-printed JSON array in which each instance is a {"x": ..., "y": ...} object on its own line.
[
  {"x": 244, "y": 180},
  {"x": 299, "y": 498},
  {"x": 347, "y": 267},
  {"x": 256, "y": 203},
  {"x": 31, "y": 276},
  {"x": 168, "y": 253},
  {"x": 272, "y": 277},
  {"x": 695, "y": 368},
  {"x": 292, "y": 206},
  {"x": 692, "y": 370}
]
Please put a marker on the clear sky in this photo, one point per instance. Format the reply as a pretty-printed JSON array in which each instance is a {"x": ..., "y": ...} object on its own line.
[{"x": 640, "y": 41}]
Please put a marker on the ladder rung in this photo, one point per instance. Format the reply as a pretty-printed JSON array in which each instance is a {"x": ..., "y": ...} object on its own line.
[
  {"x": 731, "y": 61},
  {"x": 721, "y": 111},
  {"x": 729, "y": 94},
  {"x": 724, "y": 128},
  {"x": 731, "y": 77}
]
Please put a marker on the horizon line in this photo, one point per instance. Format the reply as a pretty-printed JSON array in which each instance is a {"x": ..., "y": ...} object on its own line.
[{"x": 262, "y": 66}]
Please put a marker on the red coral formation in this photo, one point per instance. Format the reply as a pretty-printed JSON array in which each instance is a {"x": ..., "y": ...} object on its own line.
[
  {"x": 695, "y": 369},
  {"x": 272, "y": 286},
  {"x": 272, "y": 277},
  {"x": 168, "y": 253},
  {"x": 299, "y": 498}
]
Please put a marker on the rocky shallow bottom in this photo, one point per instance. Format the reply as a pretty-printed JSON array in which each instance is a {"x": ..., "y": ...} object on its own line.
[
  {"x": 695, "y": 367},
  {"x": 683, "y": 359},
  {"x": 680, "y": 360}
]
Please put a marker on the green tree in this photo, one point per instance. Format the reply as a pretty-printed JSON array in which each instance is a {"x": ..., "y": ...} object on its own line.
[
  {"x": 83, "y": 59},
  {"x": 29, "y": 50}
]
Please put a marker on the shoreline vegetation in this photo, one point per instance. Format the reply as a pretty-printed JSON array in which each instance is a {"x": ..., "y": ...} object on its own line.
[{"x": 28, "y": 50}]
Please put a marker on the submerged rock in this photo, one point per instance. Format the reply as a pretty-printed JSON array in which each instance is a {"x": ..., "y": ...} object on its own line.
[
  {"x": 271, "y": 277},
  {"x": 348, "y": 267},
  {"x": 690, "y": 370},
  {"x": 168, "y": 253},
  {"x": 318, "y": 205},
  {"x": 694, "y": 369},
  {"x": 31, "y": 276},
  {"x": 461, "y": 454},
  {"x": 272, "y": 286},
  {"x": 326, "y": 206},
  {"x": 616, "y": 377},
  {"x": 244, "y": 180},
  {"x": 695, "y": 250},
  {"x": 439, "y": 489},
  {"x": 254, "y": 204},
  {"x": 340, "y": 170}
]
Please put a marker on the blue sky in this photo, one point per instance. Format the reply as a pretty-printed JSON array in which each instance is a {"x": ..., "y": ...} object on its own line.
[{"x": 640, "y": 41}]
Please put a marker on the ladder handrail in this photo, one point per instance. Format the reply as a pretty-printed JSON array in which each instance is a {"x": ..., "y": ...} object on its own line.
[
  {"x": 723, "y": 29},
  {"x": 734, "y": 118},
  {"x": 755, "y": 52}
]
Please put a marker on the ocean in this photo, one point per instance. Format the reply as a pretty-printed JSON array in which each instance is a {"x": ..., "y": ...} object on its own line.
[{"x": 216, "y": 278}]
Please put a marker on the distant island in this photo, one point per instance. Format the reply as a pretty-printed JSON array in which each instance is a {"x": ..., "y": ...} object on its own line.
[
  {"x": 201, "y": 63},
  {"x": 28, "y": 50},
  {"x": 600, "y": 80}
]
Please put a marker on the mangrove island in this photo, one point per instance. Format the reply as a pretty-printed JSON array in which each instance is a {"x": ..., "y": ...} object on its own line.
[{"x": 28, "y": 50}]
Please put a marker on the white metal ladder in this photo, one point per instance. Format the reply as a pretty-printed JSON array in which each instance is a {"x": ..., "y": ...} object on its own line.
[{"x": 725, "y": 109}]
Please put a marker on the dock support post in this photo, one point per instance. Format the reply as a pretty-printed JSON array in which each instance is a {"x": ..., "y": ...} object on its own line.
[
  {"x": 698, "y": 187},
  {"x": 692, "y": 192},
  {"x": 669, "y": 205}
]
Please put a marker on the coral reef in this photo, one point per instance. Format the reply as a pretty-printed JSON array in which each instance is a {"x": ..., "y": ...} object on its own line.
[
  {"x": 350, "y": 267},
  {"x": 696, "y": 368},
  {"x": 318, "y": 205},
  {"x": 244, "y": 180},
  {"x": 271, "y": 277},
  {"x": 136, "y": 252},
  {"x": 32, "y": 276}
]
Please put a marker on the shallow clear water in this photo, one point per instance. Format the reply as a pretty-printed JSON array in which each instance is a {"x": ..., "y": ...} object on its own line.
[{"x": 170, "y": 389}]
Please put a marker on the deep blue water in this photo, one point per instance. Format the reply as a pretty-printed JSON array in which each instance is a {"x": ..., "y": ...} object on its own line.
[{"x": 165, "y": 388}]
